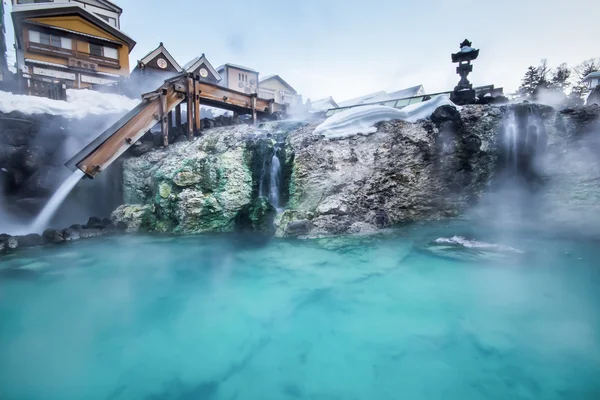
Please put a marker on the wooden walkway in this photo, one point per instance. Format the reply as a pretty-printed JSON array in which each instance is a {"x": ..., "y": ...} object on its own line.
[{"x": 155, "y": 108}]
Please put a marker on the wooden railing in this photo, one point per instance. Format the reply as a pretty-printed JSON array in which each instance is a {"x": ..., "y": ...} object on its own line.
[{"x": 69, "y": 53}]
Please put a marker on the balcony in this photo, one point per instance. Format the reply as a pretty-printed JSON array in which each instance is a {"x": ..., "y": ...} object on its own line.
[{"x": 72, "y": 54}]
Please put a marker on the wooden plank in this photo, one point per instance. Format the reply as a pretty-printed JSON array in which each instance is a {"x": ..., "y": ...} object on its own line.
[
  {"x": 196, "y": 108},
  {"x": 178, "y": 116},
  {"x": 190, "y": 110},
  {"x": 164, "y": 126},
  {"x": 126, "y": 135}
]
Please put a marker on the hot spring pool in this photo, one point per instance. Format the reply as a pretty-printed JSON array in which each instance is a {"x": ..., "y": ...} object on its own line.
[{"x": 213, "y": 317}]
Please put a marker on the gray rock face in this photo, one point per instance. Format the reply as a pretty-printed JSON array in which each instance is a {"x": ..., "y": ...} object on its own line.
[
  {"x": 53, "y": 236},
  {"x": 436, "y": 168}
]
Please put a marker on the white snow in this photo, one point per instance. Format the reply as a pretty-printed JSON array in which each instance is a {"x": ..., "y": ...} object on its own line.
[
  {"x": 362, "y": 119},
  {"x": 79, "y": 104}
]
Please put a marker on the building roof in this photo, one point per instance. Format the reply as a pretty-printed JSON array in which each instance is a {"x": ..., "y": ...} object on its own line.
[
  {"x": 287, "y": 85},
  {"x": 408, "y": 92},
  {"x": 161, "y": 49},
  {"x": 237, "y": 67},
  {"x": 197, "y": 62},
  {"x": 58, "y": 28},
  {"x": 592, "y": 75},
  {"x": 361, "y": 99},
  {"x": 324, "y": 104},
  {"x": 58, "y": 9}
]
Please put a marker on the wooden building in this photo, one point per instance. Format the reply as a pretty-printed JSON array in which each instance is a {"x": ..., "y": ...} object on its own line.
[
  {"x": 274, "y": 87},
  {"x": 152, "y": 70},
  {"x": 69, "y": 44},
  {"x": 237, "y": 77},
  {"x": 201, "y": 67}
]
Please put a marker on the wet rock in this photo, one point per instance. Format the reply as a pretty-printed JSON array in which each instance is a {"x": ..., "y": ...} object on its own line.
[
  {"x": 121, "y": 226},
  {"x": 76, "y": 227},
  {"x": 94, "y": 223},
  {"x": 445, "y": 113},
  {"x": 257, "y": 216},
  {"x": 110, "y": 228},
  {"x": 30, "y": 240},
  {"x": 8, "y": 154},
  {"x": 136, "y": 217},
  {"x": 142, "y": 148},
  {"x": 180, "y": 139},
  {"x": 106, "y": 221},
  {"x": 44, "y": 181},
  {"x": 297, "y": 228},
  {"x": 90, "y": 233},
  {"x": 53, "y": 236},
  {"x": 31, "y": 159},
  {"x": 71, "y": 235},
  {"x": 3, "y": 247},
  {"x": 15, "y": 136}
]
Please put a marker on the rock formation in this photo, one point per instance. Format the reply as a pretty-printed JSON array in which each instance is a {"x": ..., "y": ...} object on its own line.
[{"x": 435, "y": 168}]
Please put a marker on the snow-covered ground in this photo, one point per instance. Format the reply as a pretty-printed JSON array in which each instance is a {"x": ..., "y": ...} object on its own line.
[
  {"x": 362, "y": 119},
  {"x": 79, "y": 104}
]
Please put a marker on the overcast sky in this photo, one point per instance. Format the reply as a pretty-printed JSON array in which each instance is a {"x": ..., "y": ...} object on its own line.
[{"x": 347, "y": 48}]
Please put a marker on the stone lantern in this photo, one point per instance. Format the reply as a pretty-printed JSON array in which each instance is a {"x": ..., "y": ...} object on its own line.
[{"x": 463, "y": 93}]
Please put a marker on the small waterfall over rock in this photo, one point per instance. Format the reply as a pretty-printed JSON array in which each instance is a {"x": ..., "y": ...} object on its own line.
[
  {"x": 275, "y": 178},
  {"x": 524, "y": 141}
]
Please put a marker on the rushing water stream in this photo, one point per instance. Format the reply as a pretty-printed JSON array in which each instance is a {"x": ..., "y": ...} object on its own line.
[{"x": 214, "y": 317}]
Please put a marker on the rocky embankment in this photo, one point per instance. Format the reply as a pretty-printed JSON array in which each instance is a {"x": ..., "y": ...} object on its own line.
[{"x": 435, "y": 168}]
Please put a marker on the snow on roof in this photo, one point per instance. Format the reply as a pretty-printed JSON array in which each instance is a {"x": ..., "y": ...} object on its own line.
[
  {"x": 408, "y": 92},
  {"x": 161, "y": 49},
  {"x": 360, "y": 99},
  {"x": 361, "y": 120},
  {"x": 592, "y": 75},
  {"x": 280, "y": 79},
  {"x": 79, "y": 104},
  {"x": 236, "y": 66},
  {"x": 197, "y": 61},
  {"x": 324, "y": 104}
]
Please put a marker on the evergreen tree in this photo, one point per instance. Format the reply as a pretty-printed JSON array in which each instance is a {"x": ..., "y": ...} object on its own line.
[
  {"x": 529, "y": 82},
  {"x": 560, "y": 78}
]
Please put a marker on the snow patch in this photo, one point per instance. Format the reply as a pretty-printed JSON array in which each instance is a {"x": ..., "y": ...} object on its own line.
[
  {"x": 362, "y": 119},
  {"x": 79, "y": 104}
]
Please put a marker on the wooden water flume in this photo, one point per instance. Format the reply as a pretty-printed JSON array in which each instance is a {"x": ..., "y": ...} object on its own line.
[{"x": 156, "y": 107}]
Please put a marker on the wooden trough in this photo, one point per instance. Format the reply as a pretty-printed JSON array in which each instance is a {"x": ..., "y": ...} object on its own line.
[{"x": 156, "y": 108}]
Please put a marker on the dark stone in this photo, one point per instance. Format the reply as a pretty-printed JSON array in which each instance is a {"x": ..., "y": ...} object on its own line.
[
  {"x": 44, "y": 181},
  {"x": 445, "y": 113},
  {"x": 122, "y": 226},
  {"x": 53, "y": 236},
  {"x": 3, "y": 247},
  {"x": 30, "y": 240},
  {"x": 15, "y": 137},
  {"x": 110, "y": 228},
  {"x": 257, "y": 216},
  {"x": 207, "y": 123},
  {"x": 180, "y": 138},
  {"x": 8, "y": 154},
  {"x": 94, "y": 223},
  {"x": 106, "y": 221},
  {"x": 71, "y": 234},
  {"x": 381, "y": 219},
  {"x": 90, "y": 233},
  {"x": 31, "y": 159},
  {"x": 76, "y": 227},
  {"x": 296, "y": 228},
  {"x": 142, "y": 148},
  {"x": 472, "y": 144}
]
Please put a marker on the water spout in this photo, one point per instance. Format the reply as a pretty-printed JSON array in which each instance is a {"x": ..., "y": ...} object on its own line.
[{"x": 42, "y": 220}]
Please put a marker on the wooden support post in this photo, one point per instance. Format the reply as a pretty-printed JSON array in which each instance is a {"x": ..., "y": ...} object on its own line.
[
  {"x": 196, "y": 106},
  {"x": 190, "y": 110},
  {"x": 254, "y": 108},
  {"x": 178, "y": 116},
  {"x": 170, "y": 118},
  {"x": 163, "y": 118}
]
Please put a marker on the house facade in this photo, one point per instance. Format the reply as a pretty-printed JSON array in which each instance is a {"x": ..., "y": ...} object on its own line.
[
  {"x": 73, "y": 44},
  {"x": 203, "y": 69},
  {"x": 237, "y": 77},
  {"x": 152, "y": 70},
  {"x": 274, "y": 87}
]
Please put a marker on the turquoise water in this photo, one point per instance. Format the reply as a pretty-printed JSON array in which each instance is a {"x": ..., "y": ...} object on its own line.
[{"x": 223, "y": 317}]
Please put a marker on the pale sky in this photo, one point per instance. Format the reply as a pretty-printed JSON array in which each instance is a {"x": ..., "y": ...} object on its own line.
[{"x": 347, "y": 48}]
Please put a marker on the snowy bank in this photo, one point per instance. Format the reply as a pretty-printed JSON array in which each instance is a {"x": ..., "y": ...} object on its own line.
[
  {"x": 362, "y": 119},
  {"x": 79, "y": 104}
]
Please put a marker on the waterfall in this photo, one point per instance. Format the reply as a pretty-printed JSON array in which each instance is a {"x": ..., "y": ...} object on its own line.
[
  {"x": 524, "y": 140},
  {"x": 275, "y": 178},
  {"x": 43, "y": 218}
]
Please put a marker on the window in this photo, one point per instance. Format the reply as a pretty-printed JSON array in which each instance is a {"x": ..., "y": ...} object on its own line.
[
  {"x": 50, "y": 40},
  {"x": 96, "y": 50},
  {"x": 34, "y": 1},
  {"x": 104, "y": 51},
  {"x": 108, "y": 19}
]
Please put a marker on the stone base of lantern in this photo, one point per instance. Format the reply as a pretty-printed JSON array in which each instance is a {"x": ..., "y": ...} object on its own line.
[{"x": 462, "y": 97}]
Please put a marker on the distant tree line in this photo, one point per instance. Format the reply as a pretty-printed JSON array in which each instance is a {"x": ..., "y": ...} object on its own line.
[{"x": 561, "y": 80}]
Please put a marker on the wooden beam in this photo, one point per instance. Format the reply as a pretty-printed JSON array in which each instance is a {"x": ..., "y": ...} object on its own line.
[
  {"x": 190, "y": 110},
  {"x": 178, "y": 116},
  {"x": 196, "y": 107},
  {"x": 170, "y": 118},
  {"x": 254, "y": 109},
  {"x": 164, "y": 126}
]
